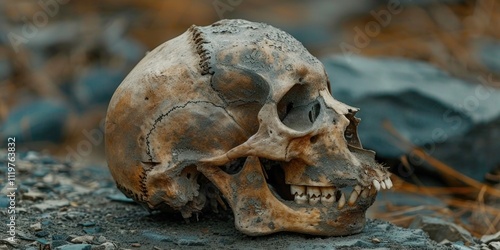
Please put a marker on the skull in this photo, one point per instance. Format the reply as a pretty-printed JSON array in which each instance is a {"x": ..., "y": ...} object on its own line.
[{"x": 241, "y": 111}]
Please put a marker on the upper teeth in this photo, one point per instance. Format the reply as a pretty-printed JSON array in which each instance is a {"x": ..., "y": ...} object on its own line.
[{"x": 327, "y": 195}]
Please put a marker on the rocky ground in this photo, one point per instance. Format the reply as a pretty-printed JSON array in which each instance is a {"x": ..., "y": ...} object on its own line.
[
  {"x": 56, "y": 81},
  {"x": 60, "y": 206}
]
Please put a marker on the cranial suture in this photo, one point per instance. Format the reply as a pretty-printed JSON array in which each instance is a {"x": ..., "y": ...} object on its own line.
[{"x": 240, "y": 113}]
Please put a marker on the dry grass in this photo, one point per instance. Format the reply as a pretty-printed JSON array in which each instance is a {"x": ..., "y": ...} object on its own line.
[
  {"x": 473, "y": 205},
  {"x": 445, "y": 35}
]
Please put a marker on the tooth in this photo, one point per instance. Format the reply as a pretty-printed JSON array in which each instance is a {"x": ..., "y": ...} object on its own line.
[
  {"x": 365, "y": 192},
  {"x": 314, "y": 194},
  {"x": 358, "y": 189},
  {"x": 294, "y": 189},
  {"x": 382, "y": 184},
  {"x": 299, "y": 193},
  {"x": 300, "y": 198},
  {"x": 327, "y": 196},
  {"x": 353, "y": 198},
  {"x": 341, "y": 201},
  {"x": 388, "y": 183},
  {"x": 376, "y": 184},
  {"x": 373, "y": 192}
]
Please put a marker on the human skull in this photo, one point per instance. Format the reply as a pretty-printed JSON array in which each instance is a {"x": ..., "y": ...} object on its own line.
[{"x": 241, "y": 110}]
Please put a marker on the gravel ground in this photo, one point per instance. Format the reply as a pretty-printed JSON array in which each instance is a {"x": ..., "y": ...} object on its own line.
[{"x": 59, "y": 206}]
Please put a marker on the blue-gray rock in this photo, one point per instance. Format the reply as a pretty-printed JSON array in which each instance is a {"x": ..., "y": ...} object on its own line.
[
  {"x": 59, "y": 243},
  {"x": 42, "y": 234},
  {"x": 120, "y": 197},
  {"x": 75, "y": 247},
  {"x": 96, "y": 86},
  {"x": 4, "y": 202},
  {"x": 424, "y": 104},
  {"x": 40, "y": 120},
  {"x": 440, "y": 230}
]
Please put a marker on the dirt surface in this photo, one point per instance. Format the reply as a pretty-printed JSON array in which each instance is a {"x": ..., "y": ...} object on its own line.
[{"x": 78, "y": 207}]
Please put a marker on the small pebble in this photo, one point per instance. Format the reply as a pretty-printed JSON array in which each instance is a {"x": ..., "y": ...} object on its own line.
[
  {"x": 83, "y": 239},
  {"x": 136, "y": 245},
  {"x": 51, "y": 204},
  {"x": 494, "y": 245},
  {"x": 34, "y": 196},
  {"x": 36, "y": 227},
  {"x": 101, "y": 239}
]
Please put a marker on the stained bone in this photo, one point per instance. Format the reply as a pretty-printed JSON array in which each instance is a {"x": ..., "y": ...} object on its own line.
[{"x": 208, "y": 105}]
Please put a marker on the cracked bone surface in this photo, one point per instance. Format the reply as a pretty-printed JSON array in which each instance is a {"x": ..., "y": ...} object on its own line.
[{"x": 240, "y": 113}]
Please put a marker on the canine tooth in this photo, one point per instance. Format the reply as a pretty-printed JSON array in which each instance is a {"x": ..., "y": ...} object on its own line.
[
  {"x": 314, "y": 194},
  {"x": 376, "y": 184},
  {"x": 358, "y": 189},
  {"x": 341, "y": 201},
  {"x": 388, "y": 183},
  {"x": 353, "y": 198},
  {"x": 382, "y": 184},
  {"x": 294, "y": 189},
  {"x": 365, "y": 193},
  {"x": 327, "y": 196}
]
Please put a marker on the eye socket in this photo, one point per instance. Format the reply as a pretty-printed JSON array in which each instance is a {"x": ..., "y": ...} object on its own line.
[{"x": 299, "y": 110}]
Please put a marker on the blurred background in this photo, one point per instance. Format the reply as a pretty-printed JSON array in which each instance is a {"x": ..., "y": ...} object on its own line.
[{"x": 425, "y": 73}]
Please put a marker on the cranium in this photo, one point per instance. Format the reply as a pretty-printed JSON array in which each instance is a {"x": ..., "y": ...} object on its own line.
[{"x": 241, "y": 110}]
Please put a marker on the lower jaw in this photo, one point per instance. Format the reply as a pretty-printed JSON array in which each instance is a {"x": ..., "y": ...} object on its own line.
[
  {"x": 260, "y": 211},
  {"x": 287, "y": 216}
]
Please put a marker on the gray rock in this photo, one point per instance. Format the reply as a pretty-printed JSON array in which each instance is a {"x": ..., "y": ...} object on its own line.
[{"x": 440, "y": 230}]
